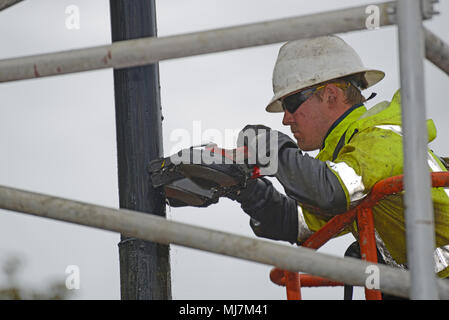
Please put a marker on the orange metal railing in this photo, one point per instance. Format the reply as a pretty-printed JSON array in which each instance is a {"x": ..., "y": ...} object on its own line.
[{"x": 365, "y": 222}]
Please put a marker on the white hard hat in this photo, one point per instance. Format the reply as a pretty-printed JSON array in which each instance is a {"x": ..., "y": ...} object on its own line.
[{"x": 304, "y": 63}]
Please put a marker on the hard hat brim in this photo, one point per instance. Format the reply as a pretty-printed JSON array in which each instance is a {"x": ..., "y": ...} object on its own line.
[{"x": 372, "y": 77}]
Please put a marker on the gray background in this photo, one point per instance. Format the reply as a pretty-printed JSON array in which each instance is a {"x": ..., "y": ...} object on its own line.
[{"x": 57, "y": 136}]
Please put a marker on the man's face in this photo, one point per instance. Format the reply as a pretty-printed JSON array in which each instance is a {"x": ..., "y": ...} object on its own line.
[{"x": 309, "y": 123}]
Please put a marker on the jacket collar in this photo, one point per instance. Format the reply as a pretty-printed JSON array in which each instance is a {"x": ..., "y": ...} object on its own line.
[{"x": 338, "y": 128}]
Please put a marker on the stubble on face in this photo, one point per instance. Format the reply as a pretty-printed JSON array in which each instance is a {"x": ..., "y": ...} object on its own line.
[{"x": 307, "y": 128}]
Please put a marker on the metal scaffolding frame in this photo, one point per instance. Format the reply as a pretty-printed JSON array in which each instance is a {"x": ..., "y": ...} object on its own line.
[{"x": 420, "y": 283}]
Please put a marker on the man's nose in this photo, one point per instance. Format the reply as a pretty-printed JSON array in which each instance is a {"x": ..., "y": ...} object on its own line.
[{"x": 287, "y": 119}]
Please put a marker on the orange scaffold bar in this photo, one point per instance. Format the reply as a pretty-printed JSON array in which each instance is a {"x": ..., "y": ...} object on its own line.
[{"x": 365, "y": 222}]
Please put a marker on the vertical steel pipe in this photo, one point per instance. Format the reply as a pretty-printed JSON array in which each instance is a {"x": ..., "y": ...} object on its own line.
[
  {"x": 420, "y": 232},
  {"x": 144, "y": 265}
]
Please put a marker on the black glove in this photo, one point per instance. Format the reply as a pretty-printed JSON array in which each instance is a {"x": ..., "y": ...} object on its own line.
[
  {"x": 273, "y": 215},
  {"x": 249, "y": 132},
  {"x": 256, "y": 138},
  {"x": 264, "y": 145}
]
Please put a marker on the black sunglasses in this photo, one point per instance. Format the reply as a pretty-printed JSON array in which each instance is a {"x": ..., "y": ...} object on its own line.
[{"x": 292, "y": 102}]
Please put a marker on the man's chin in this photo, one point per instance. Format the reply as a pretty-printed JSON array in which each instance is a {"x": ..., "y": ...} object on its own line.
[
  {"x": 304, "y": 147},
  {"x": 300, "y": 144}
]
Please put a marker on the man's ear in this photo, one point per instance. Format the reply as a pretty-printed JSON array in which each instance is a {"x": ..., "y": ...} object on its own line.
[{"x": 331, "y": 94}]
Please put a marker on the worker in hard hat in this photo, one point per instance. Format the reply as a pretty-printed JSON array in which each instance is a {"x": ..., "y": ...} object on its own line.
[{"x": 317, "y": 84}]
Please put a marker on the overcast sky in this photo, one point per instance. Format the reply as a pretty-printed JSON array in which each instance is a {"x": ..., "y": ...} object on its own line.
[{"x": 57, "y": 135}]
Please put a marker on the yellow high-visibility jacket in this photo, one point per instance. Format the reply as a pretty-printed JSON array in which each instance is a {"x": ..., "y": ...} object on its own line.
[{"x": 370, "y": 143}]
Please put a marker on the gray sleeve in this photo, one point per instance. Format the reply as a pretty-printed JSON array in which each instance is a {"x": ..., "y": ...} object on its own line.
[{"x": 310, "y": 181}]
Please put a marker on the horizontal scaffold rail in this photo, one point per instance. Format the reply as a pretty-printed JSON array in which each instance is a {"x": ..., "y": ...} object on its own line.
[
  {"x": 137, "y": 52},
  {"x": 4, "y": 4},
  {"x": 157, "y": 229},
  {"x": 437, "y": 51}
]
